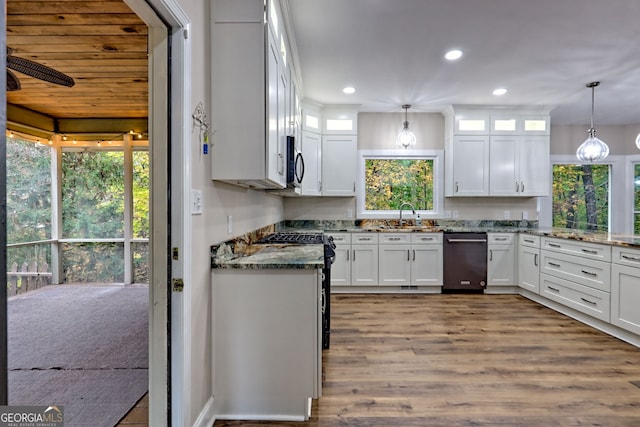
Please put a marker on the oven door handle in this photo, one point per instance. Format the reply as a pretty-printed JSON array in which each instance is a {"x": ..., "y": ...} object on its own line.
[{"x": 466, "y": 240}]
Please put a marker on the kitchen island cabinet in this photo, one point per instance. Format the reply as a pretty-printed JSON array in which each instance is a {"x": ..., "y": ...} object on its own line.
[
  {"x": 529, "y": 262},
  {"x": 267, "y": 347},
  {"x": 625, "y": 289}
]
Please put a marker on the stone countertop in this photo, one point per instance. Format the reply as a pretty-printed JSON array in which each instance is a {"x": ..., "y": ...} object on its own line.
[
  {"x": 589, "y": 236},
  {"x": 243, "y": 253},
  {"x": 269, "y": 256}
]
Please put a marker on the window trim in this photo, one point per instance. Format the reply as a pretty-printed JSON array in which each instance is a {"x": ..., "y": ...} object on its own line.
[
  {"x": 628, "y": 186},
  {"x": 438, "y": 181},
  {"x": 620, "y": 221}
]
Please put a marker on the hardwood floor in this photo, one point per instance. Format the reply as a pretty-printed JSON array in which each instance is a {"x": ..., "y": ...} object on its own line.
[{"x": 469, "y": 360}]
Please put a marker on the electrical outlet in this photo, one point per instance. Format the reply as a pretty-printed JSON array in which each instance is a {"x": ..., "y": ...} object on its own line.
[
  {"x": 349, "y": 213},
  {"x": 455, "y": 214},
  {"x": 525, "y": 215},
  {"x": 229, "y": 224},
  {"x": 447, "y": 214},
  {"x": 507, "y": 215},
  {"x": 196, "y": 202}
]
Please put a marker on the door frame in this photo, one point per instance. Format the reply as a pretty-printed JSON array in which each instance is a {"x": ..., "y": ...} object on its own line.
[{"x": 169, "y": 50}]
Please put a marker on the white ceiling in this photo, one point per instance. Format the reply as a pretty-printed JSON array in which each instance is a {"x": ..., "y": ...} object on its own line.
[{"x": 543, "y": 51}]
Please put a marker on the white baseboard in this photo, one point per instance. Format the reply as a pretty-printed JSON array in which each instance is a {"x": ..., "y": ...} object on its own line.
[{"x": 207, "y": 417}]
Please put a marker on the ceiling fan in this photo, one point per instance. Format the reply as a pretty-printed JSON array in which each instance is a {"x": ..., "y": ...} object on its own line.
[{"x": 33, "y": 69}]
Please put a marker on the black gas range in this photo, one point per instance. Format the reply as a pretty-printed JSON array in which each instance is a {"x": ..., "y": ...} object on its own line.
[{"x": 329, "y": 257}]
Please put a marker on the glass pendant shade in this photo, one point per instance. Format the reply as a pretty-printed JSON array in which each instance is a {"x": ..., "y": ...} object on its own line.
[
  {"x": 593, "y": 149},
  {"x": 638, "y": 141},
  {"x": 405, "y": 138}
]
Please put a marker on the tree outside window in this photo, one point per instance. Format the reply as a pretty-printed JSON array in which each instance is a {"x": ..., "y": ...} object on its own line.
[
  {"x": 391, "y": 182},
  {"x": 581, "y": 196}
]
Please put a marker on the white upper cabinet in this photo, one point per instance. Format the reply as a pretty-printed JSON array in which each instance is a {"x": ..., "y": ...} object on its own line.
[
  {"x": 470, "y": 167},
  {"x": 329, "y": 149},
  {"x": 497, "y": 152},
  {"x": 250, "y": 93},
  {"x": 339, "y": 160}
]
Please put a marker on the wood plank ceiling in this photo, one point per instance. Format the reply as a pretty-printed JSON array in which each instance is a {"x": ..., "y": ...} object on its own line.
[{"x": 101, "y": 44}]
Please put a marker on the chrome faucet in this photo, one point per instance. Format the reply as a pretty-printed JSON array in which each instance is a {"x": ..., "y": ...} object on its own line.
[{"x": 402, "y": 206}]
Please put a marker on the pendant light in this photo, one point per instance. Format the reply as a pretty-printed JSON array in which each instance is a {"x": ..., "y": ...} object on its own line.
[
  {"x": 593, "y": 149},
  {"x": 406, "y": 138}
]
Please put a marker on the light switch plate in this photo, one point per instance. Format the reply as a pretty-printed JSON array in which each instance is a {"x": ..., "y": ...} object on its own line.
[{"x": 196, "y": 202}]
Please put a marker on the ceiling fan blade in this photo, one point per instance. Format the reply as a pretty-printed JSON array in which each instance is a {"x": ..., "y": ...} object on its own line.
[
  {"x": 12, "y": 81},
  {"x": 39, "y": 71}
]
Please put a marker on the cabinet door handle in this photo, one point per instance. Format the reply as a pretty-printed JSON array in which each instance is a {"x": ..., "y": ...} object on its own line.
[
  {"x": 553, "y": 264},
  {"x": 490, "y": 254},
  {"x": 553, "y": 289},
  {"x": 348, "y": 254},
  {"x": 630, "y": 258},
  {"x": 319, "y": 185},
  {"x": 589, "y": 251},
  {"x": 414, "y": 254},
  {"x": 589, "y": 273},
  {"x": 535, "y": 259},
  {"x": 529, "y": 241},
  {"x": 457, "y": 186},
  {"x": 588, "y": 302},
  {"x": 500, "y": 239},
  {"x": 554, "y": 245},
  {"x": 354, "y": 186},
  {"x": 408, "y": 255},
  {"x": 522, "y": 186},
  {"x": 280, "y": 164},
  {"x": 354, "y": 255},
  {"x": 426, "y": 239},
  {"x": 517, "y": 186},
  {"x": 364, "y": 239},
  {"x": 394, "y": 238}
]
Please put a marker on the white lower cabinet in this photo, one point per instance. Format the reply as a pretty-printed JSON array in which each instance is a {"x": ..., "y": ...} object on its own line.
[
  {"x": 625, "y": 289},
  {"x": 257, "y": 352},
  {"x": 500, "y": 261},
  {"x": 579, "y": 297},
  {"x": 364, "y": 264},
  {"x": 410, "y": 259},
  {"x": 576, "y": 274},
  {"x": 529, "y": 262},
  {"x": 356, "y": 261}
]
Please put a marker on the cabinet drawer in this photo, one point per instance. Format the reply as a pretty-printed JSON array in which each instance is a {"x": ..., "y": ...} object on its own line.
[
  {"x": 500, "y": 238},
  {"x": 340, "y": 238},
  {"x": 426, "y": 238},
  {"x": 626, "y": 256},
  {"x": 529, "y": 240},
  {"x": 364, "y": 238},
  {"x": 395, "y": 238},
  {"x": 576, "y": 247},
  {"x": 596, "y": 274},
  {"x": 582, "y": 298}
]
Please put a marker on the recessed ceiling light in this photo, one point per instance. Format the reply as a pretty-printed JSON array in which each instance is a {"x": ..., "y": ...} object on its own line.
[
  {"x": 349, "y": 90},
  {"x": 453, "y": 54},
  {"x": 500, "y": 91}
]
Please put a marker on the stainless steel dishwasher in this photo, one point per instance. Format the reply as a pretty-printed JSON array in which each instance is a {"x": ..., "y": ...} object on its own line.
[{"x": 465, "y": 262}]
